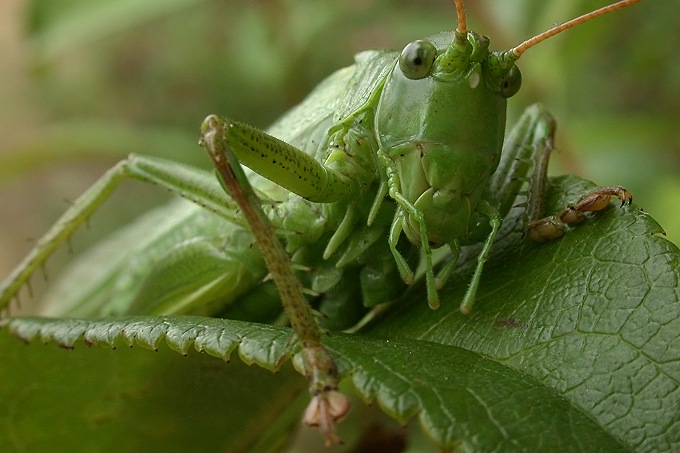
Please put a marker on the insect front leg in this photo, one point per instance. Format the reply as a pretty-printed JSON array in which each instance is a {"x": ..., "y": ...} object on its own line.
[{"x": 406, "y": 209}]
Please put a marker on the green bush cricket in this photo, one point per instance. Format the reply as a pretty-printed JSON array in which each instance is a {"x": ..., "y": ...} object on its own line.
[{"x": 386, "y": 150}]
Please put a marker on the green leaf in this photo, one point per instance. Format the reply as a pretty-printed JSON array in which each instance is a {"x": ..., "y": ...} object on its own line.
[
  {"x": 573, "y": 346},
  {"x": 257, "y": 343},
  {"x": 132, "y": 399},
  {"x": 594, "y": 316},
  {"x": 493, "y": 405},
  {"x": 463, "y": 399}
]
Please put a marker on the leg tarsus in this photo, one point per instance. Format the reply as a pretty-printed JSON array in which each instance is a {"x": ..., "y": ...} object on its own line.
[
  {"x": 546, "y": 229},
  {"x": 594, "y": 201},
  {"x": 328, "y": 405},
  {"x": 554, "y": 226}
]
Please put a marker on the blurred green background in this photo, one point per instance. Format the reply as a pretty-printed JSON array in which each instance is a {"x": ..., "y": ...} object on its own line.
[{"x": 85, "y": 82}]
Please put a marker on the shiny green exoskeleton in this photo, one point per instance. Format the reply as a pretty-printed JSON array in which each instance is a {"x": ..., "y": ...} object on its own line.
[
  {"x": 438, "y": 169},
  {"x": 385, "y": 160}
]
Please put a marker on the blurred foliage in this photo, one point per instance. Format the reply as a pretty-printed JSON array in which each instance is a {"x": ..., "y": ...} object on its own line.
[{"x": 86, "y": 82}]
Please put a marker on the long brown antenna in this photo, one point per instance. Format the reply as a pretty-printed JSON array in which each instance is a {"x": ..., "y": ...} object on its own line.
[
  {"x": 461, "y": 28},
  {"x": 519, "y": 50}
]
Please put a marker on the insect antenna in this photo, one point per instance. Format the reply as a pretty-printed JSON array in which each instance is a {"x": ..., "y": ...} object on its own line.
[
  {"x": 461, "y": 28},
  {"x": 519, "y": 50}
]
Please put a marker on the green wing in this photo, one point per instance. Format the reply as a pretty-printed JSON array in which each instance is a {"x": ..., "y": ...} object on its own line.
[{"x": 335, "y": 98}]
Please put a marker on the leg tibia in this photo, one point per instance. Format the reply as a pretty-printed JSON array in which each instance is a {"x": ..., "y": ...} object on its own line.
[
  {"x": 495, "y": 222},
  {"x": 524, "y": 161},
  {"x": 196, "y": 185}
]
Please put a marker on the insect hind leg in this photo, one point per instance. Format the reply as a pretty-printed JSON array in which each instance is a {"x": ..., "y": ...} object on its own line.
[
  {"x": 543, "y": 229},
  {"x": 525, "y": 157},
  {"x": 195, "y": 185},
  {"x": 555, "y": 226}
]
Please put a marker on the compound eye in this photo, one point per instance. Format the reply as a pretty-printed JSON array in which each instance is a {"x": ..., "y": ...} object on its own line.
[
  {"x": 512, "y": 82},
  {"x": 416, "y": 59}
]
